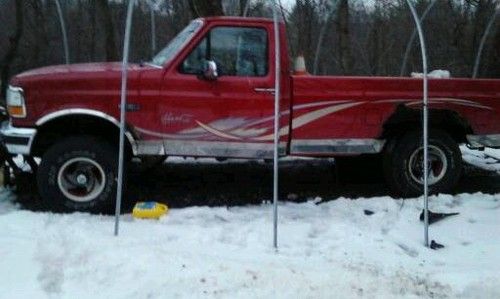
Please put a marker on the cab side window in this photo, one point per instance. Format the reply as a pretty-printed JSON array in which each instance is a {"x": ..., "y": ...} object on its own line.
[{"x": 237, "y": 51}]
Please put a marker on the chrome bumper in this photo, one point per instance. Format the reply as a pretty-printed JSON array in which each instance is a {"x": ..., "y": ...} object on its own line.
[
  {"x": 17, "y": 140},
  {"x": 478, "y": 141}
]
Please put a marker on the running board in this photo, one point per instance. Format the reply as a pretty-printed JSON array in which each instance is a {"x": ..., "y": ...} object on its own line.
[
  {"x": 306, "y": 147},
  {"x": 191, "y": 148},
  {"x": 336, "y": 146}
]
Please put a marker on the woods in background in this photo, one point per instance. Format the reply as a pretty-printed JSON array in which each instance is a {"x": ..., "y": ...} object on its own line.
[{"x": 337, "y": 37}]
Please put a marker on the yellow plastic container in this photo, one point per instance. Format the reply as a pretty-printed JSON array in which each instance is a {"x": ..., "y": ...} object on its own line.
[{"x": 149, "y": 210}]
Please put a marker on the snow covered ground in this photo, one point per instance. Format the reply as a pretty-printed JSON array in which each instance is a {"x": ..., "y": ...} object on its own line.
[
  {"x": 489, "y": 159},
  {"x": 327, "y": 250}
]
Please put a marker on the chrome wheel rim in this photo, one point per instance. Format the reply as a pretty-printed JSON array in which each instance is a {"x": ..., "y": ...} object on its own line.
[
  {"x": 81, "y": 179},
  {"x": 437, "y": 165}
]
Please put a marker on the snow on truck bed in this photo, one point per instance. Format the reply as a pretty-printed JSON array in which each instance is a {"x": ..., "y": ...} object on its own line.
[{"x": 327, "y": 250}]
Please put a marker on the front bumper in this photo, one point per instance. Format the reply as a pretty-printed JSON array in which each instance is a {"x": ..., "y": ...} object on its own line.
[
  {"x": 478, "y": 141},
  {"x": 17, "y": 140}
]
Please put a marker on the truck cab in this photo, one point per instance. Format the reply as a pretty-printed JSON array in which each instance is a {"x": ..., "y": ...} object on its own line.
[{"x": 214, "y": 97}]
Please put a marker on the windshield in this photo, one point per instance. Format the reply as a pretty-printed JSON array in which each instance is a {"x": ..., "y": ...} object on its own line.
[{"x": 177, "y": 43}]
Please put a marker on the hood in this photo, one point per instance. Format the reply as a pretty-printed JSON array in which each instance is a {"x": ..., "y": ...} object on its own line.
[{"x": 61, "y": 72}]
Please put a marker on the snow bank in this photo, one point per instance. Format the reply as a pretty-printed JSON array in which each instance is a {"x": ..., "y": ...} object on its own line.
[
  {"x": 327, "y": 250},
  {"x": 436, "y": 74},
  {"x": 488, "y": 159}
]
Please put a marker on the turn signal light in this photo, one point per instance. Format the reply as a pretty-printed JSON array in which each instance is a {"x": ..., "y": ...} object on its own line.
[
  {"x": 16, "y": 111},
  {"x": 15, "y": 102}
]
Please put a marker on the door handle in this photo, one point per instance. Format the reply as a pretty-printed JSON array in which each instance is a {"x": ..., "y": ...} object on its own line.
[{"x": 266, "y": 90}]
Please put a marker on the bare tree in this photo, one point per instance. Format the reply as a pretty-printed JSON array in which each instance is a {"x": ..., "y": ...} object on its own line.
[
  {"x": 201, "y": 8},
  {"x": 357, "y": 39},
  {"x": 107, "y": 25},
  {"x": 328, "y": 13},
  {"x": 93, "y": 29},
  {"x": 481, "y": 44},
  {"x": 12, "y": 48},
  {"x": 244, "y": 4},
  {"x": 344, "y": 42},
  {"x": 413, "y": 36}
]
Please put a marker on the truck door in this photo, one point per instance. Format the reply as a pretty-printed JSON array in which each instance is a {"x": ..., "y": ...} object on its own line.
[{"x": 230, "y": 116}]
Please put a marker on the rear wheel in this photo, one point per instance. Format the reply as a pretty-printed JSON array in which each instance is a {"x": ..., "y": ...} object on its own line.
[
  {"x": 403, "y": 164},
  {"x": 78, "y": 174}
]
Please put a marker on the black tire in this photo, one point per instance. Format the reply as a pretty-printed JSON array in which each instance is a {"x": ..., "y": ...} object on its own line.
[
  {"x": 62, "y": 164},
  {"x": 405, "y": 180}
]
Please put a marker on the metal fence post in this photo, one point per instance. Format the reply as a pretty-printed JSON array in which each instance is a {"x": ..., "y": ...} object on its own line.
[
  {"x": 63, "y": 31},
  {"x": 425, "y": 122},
  {"x": 123, "y": 103},
  {"x": 153, "y": 30},
  {"x": 277, "y": 75},
  {"x": 409, "y": 45}
]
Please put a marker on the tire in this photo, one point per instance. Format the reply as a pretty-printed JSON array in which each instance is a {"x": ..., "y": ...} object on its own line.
[
  {"x": 78, "y": 174},
  {"x": 402, "y": 164}
]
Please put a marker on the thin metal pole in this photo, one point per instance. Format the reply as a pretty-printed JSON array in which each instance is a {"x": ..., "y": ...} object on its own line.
[
  {"x": 481, "y": 44},
  {"x": 123, "y": 103},
  {"x": 413, "y": 36},
  {"x": 277, "y": 77},
  {"x": 63, "y": 31},
  {"x": 153, "y": 31},
  {"x": 425, "y": 122}
]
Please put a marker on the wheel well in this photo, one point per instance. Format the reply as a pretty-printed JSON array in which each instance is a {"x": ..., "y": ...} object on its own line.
[
  {"x": 405, "y": 119},
  {"x": 71, "y": 125}
]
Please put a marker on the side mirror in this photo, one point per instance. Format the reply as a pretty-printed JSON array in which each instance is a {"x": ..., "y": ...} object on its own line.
[{"x": 210, "y": 71}]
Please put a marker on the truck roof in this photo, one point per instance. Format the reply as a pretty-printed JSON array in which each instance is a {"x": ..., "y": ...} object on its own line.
[{"x": 233, "y": 19}]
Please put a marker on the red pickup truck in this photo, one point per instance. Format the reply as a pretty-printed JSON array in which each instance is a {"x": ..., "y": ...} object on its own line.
[{"x": 209, "y": 93}]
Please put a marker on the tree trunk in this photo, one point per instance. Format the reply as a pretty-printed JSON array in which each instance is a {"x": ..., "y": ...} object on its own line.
[
  {"x": 202, "y": 8},
  {"x": 35, "y": 24},
  {"x": 107, "y": 23},
  {"x": 344, "y": 42},
  {"x": 494, "y": 65},
  {"x": 243, "y": 6},
  {"x": 93, "y": 26},
  {"x": 12, "y": 49}
]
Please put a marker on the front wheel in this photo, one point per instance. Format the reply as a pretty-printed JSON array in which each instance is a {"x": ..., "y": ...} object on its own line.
[
  {"x": 403, "y": 164},
  {"x": 78, "y": 174}
]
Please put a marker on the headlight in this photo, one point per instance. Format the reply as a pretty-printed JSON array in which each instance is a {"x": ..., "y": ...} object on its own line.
[{"x": 15, "y": 102}]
